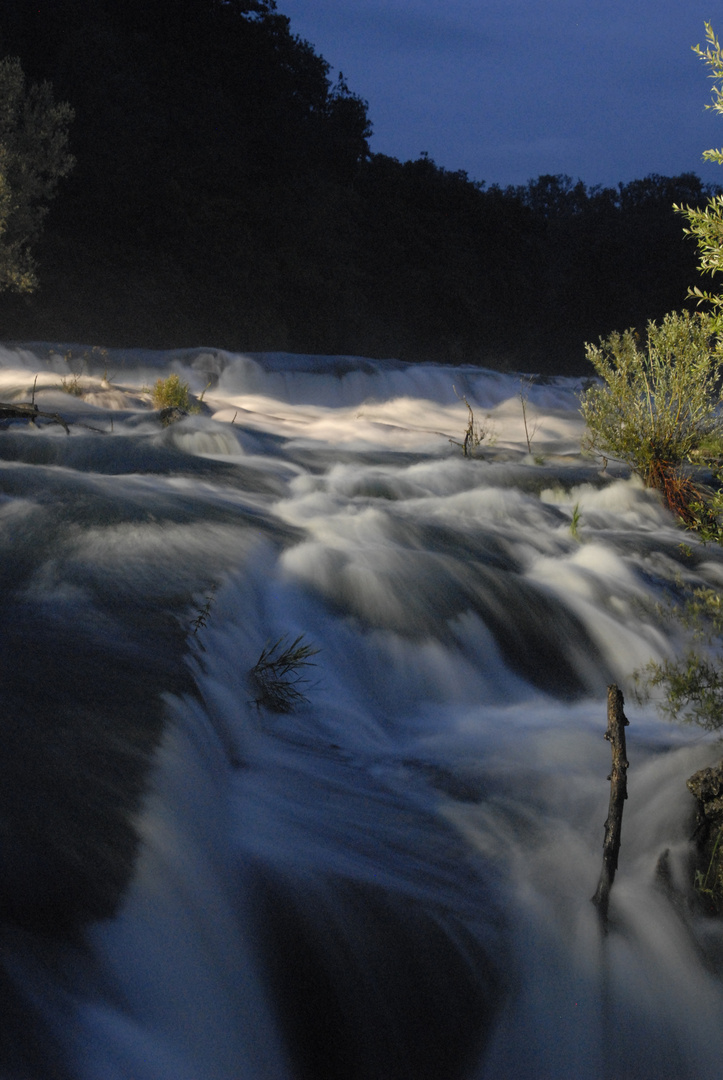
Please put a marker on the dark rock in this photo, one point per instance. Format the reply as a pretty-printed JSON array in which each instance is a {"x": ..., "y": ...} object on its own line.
[
  {"x": 171, "y": 415},
  {"x": 707, "y": 787}
]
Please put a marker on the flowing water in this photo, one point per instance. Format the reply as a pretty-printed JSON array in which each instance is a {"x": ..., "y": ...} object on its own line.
[{"x": 393, "y": 880}]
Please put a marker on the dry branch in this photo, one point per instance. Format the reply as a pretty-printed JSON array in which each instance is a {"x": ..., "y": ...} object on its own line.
[
  {"x": 29, "y": 412},
  {"x": 615, "y": 734}
]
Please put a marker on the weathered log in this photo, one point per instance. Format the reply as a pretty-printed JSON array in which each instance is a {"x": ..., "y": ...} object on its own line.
[
  {"x": 615, "y": 734},
  {"x": 29, "y": 412}
]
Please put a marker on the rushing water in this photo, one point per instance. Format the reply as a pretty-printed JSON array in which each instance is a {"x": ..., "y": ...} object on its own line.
[{"x": 392, "y": 881}]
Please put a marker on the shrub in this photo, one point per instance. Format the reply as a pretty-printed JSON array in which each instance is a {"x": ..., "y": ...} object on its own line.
[
  {"x": 172, "y": 393},
  {"x": 657, "y": 406}
]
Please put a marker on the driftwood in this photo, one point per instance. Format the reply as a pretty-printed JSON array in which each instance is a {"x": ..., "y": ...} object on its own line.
[
  {"x": 29, "y": 412},
  {"x": 615, "y": 734}
]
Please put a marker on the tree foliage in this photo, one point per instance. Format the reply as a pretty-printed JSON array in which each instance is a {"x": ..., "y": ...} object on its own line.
[
  {"x": 691, "y": 683},
  {"x": 664, "y": 406},
  {"x": 33, "y": 158},
  {"x": 706, "y": 223},
  {"x": 659, "y": 408}
]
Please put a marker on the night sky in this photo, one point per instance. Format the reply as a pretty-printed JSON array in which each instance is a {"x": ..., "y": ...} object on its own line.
[{"x": 602, "y": 90}]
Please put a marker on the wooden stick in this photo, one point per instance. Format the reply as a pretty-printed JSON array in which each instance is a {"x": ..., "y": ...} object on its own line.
[{"x": 615, "y": 734}]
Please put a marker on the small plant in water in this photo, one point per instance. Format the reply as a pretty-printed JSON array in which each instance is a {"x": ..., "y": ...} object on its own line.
[
  {"x": 202, "y": 615},
  {"x": 71, "y": 385},
  {"x": 575, "y": 523},
  {"x": 171, "y": 393},
  {"x": 278, "y": 674},
  {"x": 475, "y": 434}
]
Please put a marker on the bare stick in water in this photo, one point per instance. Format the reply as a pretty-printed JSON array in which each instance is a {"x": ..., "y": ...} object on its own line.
[
  {"x": 615, "y": 734},
  {"x": 29, "y": 412}
]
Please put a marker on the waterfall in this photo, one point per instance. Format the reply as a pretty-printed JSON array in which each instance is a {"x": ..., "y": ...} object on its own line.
[{"x": 392, "y": 880}]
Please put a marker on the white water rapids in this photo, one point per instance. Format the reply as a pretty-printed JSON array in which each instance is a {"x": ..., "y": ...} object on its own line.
[{"x": 393, "y": 881}]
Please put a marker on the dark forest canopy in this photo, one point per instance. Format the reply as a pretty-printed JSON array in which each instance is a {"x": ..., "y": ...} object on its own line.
[{"x": 225, "y": 194}]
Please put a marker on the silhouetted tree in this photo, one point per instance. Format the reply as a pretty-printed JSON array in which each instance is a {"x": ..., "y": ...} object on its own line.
[
  {"x": 225, "y": 192},
  {"x": 33, "y": 158}
]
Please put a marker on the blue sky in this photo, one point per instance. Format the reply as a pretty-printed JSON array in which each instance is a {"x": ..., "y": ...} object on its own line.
[{"x": 603, "y": 90}]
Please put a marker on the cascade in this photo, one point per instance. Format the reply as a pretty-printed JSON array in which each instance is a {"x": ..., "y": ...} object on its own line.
[{"x": 392, "y": 880}]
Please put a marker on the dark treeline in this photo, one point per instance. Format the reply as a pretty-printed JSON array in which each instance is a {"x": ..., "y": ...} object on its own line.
[{"x": 225, "y": 194}]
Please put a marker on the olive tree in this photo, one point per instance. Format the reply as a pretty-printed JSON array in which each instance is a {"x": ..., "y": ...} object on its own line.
[{"x": 33, "y": 158}]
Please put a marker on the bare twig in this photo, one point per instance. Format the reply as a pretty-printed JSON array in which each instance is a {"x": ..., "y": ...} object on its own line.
[
  {"x": 525, "y": 386},
  {"x": 474, "y": 434}
]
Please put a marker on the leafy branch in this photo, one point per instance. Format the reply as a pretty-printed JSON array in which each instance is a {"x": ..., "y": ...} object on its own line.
[
  {"x": 692, "y": 683},
  {"x": 706, "y": 225}
]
